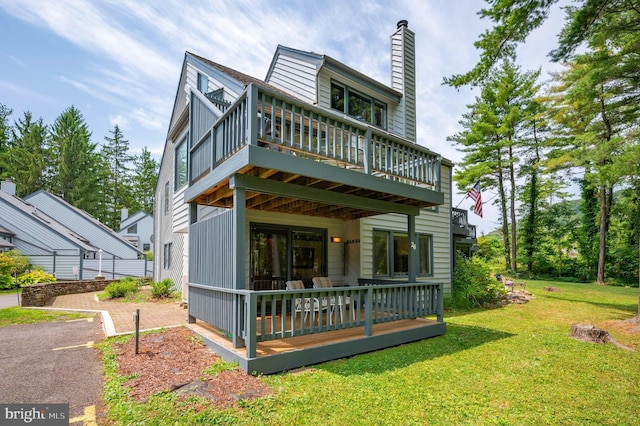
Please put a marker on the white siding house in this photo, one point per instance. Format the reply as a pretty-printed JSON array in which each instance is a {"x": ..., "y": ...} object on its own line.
[{"x": 137, "y": 229}]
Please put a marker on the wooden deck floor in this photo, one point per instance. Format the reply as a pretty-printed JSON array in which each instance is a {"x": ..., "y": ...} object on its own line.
[{"x": 289, "y": 344}]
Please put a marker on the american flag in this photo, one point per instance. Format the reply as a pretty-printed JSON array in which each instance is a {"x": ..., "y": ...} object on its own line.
[{"x": 475, "y": 195}]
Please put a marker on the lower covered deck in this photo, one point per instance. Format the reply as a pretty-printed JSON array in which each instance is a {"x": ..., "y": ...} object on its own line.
[{"x": 273, "y": 331}]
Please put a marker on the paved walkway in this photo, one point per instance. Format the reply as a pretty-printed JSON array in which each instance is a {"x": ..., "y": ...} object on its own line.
[
  {"x": 8, "y": 300},
  {"x": 118, "y": 316}
]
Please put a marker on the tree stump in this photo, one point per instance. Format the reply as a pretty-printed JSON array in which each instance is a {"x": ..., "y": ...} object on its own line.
[{"x": 588, "y": 333}]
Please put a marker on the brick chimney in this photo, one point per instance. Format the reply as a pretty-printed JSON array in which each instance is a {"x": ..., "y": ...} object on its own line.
[{"x": 403, "y": 75}]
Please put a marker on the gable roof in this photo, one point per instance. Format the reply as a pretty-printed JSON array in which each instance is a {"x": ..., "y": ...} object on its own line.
[
  {"x": 97, "y": 226},
  {"x": 242, "y": 78},
  {"x": 30, "y": 211},
  {"x": 133, "y": 219},
  {"x": 5, "y": 231},
  {"x": 320, "y": 60}
]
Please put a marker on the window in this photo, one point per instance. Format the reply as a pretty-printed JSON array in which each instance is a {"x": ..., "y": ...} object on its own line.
[
  {"x": 166, "y": 257},
  {"x": 391, "y": 253},
  {"x": 166, "y": 198},
  {"x": 181, "y": 163},
  {"x": 281, "y": 253},
  {"x": 203, "y": 83},
  {"x": 133, "y": 229},
  {"x": 358, "y": 105},
  {"x": 425, "y": 255},
  {"x": 146, "y": 246}
]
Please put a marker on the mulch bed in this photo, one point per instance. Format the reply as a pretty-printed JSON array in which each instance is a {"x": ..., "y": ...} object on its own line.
[{"x": 173, "y": 360}]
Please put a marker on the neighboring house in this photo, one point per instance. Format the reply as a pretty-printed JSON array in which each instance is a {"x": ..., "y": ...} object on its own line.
[
  {"x": 111, "y": 255},
  {"x": 5, "y": 239},
  {"x": 47, "y": 242},
  {"x": 463, "y": 234},
  {"x": 313, "y": 172},
  {"x": 137, "y": 229}
]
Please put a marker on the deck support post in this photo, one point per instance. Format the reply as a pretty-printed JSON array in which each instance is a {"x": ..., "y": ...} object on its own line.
[
  {"x": 412, "y": 258},
  {"x": 251, "y": 313},
  {"x": 239, "y": 233},
  {"x": 440, "y": 302}
]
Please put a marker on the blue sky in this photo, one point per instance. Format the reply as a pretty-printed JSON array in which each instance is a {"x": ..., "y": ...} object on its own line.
[{"x": 118, "y": 61}]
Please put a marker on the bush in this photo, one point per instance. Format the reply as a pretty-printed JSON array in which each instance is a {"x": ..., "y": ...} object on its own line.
[
  {"x": 35, "y": 276},
  {"x": 473, "y": 285},
  {"x": 7, "y": 282},
  {"x": 122, "y": 288},
  {"x": 162, "y": 288},
  {"x": 12, "y": 263}
]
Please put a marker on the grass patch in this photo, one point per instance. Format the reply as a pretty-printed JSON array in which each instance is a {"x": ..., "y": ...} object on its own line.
[
  {"x": 17, "y": 315},
  {"x": 10, "y": 291},
  {"x": 218, "y": 367},
  {"x": 512, "y": 365}
]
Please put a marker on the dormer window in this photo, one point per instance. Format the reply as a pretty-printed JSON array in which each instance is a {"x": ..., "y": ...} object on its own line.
[
  {"x": 203, "y": 83},
  {"x": 358, "y": 106}
]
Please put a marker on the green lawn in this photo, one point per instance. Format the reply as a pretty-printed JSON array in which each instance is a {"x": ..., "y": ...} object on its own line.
[
  {"x": 17, "y": 315},
  {"x": 514, "y": 365}
]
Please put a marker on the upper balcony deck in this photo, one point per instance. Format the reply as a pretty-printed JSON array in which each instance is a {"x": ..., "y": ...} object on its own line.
[{"x": 301, "y": 144}]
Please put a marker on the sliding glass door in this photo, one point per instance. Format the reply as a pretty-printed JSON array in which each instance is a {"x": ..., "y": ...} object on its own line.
[{"x": 282, "y": 253}]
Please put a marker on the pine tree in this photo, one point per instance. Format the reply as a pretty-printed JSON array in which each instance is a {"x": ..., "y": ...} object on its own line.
[
  {"x": 145, "y": 175},
  {"x": 77, "y": 167},
  {"x": 5, "y": 131},
  {"x": 26, "y": 158},
  {"x": 495, "y": 128},
  {"x": 117, "y": 186}
]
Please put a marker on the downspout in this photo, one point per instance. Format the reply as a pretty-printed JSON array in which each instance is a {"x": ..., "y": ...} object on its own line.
[{"x": 81, "y": 255}]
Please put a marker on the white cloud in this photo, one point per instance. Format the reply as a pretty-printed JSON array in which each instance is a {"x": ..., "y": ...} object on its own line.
[
  {"x": 120, "y": 121},
  {"x": 134, "y": 50},
  {"x": 147, "y": 119}
]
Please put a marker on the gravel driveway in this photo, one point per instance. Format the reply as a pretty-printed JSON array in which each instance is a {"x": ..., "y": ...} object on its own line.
[{"x": 52, "y": 363}]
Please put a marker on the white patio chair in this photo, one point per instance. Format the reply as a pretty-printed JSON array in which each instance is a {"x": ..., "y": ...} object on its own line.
[
  {"x": 306, "y": 304},
  {"x": 341, "y": 301}
]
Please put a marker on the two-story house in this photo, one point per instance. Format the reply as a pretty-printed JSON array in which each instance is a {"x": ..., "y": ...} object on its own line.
[
  {"x": 137, "y": 229},
  {"x": 270, "y": 190}
]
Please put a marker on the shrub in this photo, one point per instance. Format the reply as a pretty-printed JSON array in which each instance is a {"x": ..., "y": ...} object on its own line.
[
  {"x": 122, "y": 288},
  {"x": 7, "y": 282},
  {"x": 12, "y": 263},
  {"x": 473, "y": 285},
  {"x": 162, "y": 288},
  {"x": 35, "y": 276}
]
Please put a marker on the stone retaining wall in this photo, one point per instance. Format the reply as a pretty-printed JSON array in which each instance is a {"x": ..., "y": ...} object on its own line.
[{"x": 39, "y": 294}]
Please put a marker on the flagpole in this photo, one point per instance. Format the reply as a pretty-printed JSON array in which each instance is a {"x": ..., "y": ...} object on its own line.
[{"x": 463, "y": 198}]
